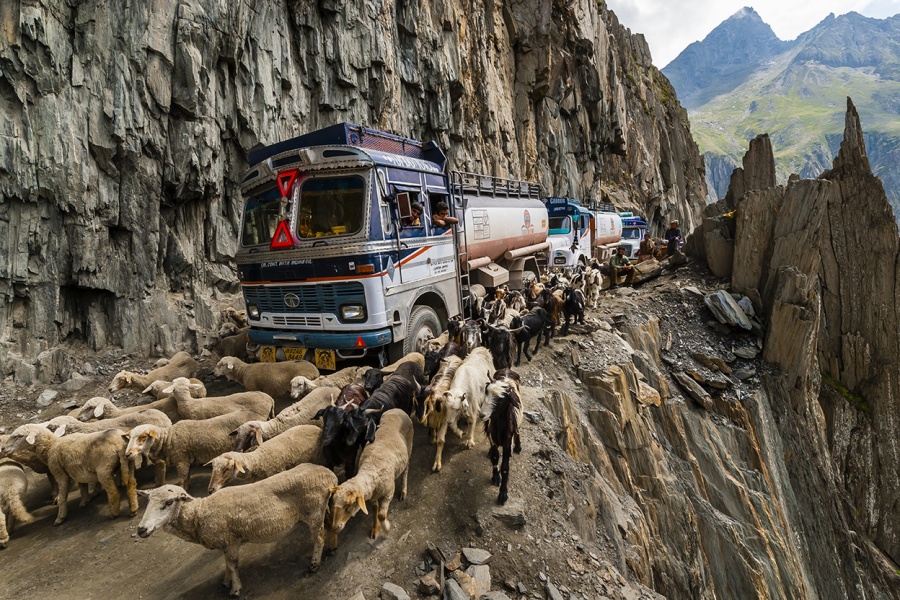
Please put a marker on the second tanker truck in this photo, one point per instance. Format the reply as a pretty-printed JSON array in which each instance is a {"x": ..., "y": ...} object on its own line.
[{"x": 340, "y": 255}]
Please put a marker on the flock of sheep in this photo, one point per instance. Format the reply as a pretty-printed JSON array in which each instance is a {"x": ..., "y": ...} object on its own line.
[{"x": 358, "y": 418}]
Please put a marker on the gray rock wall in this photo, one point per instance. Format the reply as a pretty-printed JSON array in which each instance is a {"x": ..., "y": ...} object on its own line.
[{"x": 124, "y": 130}]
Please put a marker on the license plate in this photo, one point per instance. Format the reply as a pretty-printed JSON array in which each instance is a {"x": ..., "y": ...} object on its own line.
[
  {"x": 267, "y": 353},
  {"x": 326, "y": 360},
  {"x": 294, "y": 353}
]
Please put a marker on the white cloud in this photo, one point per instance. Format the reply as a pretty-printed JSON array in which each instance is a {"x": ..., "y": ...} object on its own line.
[{"x": 670, "y": 26}]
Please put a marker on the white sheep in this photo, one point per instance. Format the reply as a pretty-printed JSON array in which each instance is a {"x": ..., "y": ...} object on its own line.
[
  {"x": 467, "y": 392},
  {"x": 27, "y": 458},
  {"x": 158, "y": 387},
  {"x": 65, "y": 424},
  {"x": 297, "y": 445},
  {"x": 180, "y": 365},
  {"x": 380, "y": 464},
  {"x": 103, "y": 408},
  {"x": 271, "y": 378},
  {"x": 205, "y": 408},
  {"x": 298, "y": 413},
  {"x": 256, "y": 513},
  {"x": 13, "y": 486},
  {"x": 301, "y": 386},
  {"x": 185, "y": 443},
  {"x": 83, "y": 457}
]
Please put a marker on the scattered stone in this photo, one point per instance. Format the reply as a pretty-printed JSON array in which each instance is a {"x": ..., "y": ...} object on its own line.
[
  {"x": 70, "y": 404},
  {"x": 429, "y": 584},
  {"x": 76, "y": 383},
  {"x": 454, "y": 563},
  {"x": 747, "y": 352},
  {"x": 357, "y": 596},
  {"x": 494, "y": 596},
  {"x": 693, "y": 389},
  {"x": 475, "y": 556},
  {"x": 744, "y": 373},
  {"x": 746, "y": 306},
  {"x": 452, "y": 591},
  {"x": 391, "y": 591},
  {"x": 726, "y": 310},
  {"x": 541, "y": 576},
  {"x": 435, "y": 552},
  {"x": 46, "y": 398},
  {"x": 521, "y": 588},
  {"x": 692, "y": 289},
  {"x": 534, "y": 417},
  {"x": 553, "y": 593},
  {"x": 481, "y": 578}
]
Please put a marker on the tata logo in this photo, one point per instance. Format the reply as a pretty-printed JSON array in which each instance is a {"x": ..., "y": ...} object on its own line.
[{"x": 291, "y": 300}]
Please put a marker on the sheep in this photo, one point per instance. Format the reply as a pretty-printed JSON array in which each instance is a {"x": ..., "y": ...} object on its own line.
[
  {"x": 501, "y": 413},
  {"x": 205, "y": 408},
  {"x": 185, "y": 443},
  {"x": 375, "y": 377},
  {"x": 83, "y": 457},
  {"x": 180, "y": 365},
  {"x": 65, "y": 424},
  {"x": 271, "y": 378},
  {"x": 380, "y": 464},
  {"x": 229, "y": 342},
  {"x": 256, "y": 513},
  {"x": 301, "y": 386},
  {"x": 157, "y": 389},
  {"x": 434, "y": 413},
  {"x": 13, "y": 486},
  {"x": 466, "y": 391},
  {"x": 27, "y": 458},
  {"x": 236, "y": 317},
  {"x": 103, "y": 408},
  {"x": 298, "y": 413},
  {"x": 297, "y": 445}
]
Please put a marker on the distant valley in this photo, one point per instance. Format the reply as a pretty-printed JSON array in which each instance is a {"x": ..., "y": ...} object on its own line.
[{"x": 741, "y": 80}]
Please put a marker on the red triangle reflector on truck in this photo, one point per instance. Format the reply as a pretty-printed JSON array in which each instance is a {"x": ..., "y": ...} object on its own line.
[
  {"x": 285, "y": 181},
  {"x": 282, "y": 238},
  {"x": 359, "y": 342}
]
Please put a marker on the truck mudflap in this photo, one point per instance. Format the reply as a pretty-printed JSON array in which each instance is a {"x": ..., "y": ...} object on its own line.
[{"x": 331, "y": 341}]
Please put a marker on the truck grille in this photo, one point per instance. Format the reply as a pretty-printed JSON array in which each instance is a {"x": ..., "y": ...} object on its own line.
[{"x": 324, "y": 298}]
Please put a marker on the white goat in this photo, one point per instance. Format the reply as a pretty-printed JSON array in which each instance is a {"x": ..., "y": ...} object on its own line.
[
  {"x": 380, "y": 464},
  {"x": 467, "y": 391},
  {"x": 434, "y": 415},
  {"x": 256, "y": 513}
]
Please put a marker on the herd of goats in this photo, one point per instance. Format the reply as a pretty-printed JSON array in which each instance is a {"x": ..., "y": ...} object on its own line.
[{"x": 357, "y": 418}]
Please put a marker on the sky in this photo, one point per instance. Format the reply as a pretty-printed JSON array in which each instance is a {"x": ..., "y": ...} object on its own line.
[{"x": 670, "y": 27}]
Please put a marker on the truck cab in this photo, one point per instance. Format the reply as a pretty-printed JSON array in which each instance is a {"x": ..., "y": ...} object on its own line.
[
  {"x": 633, "y": 230},
  {"x": 570, "y": 233}
]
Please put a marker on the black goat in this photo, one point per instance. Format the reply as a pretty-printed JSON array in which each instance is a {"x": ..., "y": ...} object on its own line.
[
  {"x": 573, "y": 306},
  {"x": 433, "y": 358},
  {"x": 338, "y": 446},
  {"x": 530, "y": 325},
  {"x": 502, "y": 342},
  {"x": 399, "y": 391},
  {"x": 501, "y": 412}
]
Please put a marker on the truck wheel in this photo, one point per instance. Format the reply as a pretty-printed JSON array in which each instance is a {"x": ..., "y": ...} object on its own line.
[{"x": 423, "y": 325}]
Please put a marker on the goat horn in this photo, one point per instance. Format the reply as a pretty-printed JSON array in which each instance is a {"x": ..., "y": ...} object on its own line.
[{"x": 372, "y": 411}]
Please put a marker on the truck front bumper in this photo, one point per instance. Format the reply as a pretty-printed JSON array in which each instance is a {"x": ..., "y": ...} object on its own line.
[{"x": 331, "y": 341}]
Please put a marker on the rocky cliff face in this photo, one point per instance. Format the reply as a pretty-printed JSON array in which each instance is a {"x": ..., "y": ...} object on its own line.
[
  {"x": 125, "y": 131},
  {"x": 820, "y": 259}
]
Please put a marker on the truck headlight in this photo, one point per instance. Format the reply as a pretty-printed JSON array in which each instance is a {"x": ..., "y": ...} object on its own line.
[
  {"x": 353, "y": 312},
  {"x": 253, "y": 312}
]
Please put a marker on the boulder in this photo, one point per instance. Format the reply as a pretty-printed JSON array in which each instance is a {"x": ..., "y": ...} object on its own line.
[
  {"x": 726, "y": 310},
  {"x": 693, "y": 390}
]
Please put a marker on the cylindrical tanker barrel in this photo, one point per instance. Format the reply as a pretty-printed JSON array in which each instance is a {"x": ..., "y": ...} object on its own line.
[
  {"x": 607, "y": 228},
  {"x": 498, "y": 224}
]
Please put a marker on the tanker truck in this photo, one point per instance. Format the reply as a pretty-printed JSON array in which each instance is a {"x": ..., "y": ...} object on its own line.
[
  {"x": 571, "y": 232},
  {"x": 340, "y": 256}
]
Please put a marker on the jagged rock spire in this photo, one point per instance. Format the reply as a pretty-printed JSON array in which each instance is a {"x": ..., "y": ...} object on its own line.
[
  {"x": 757, "y": 173},
  {"x": 852, "y": 156}
]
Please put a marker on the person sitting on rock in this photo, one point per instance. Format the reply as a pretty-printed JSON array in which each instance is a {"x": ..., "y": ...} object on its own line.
[
  {"x": 620, "y": 265},
  {"x": 647, "y": 248},
  {"x": 673, "y": 236}
]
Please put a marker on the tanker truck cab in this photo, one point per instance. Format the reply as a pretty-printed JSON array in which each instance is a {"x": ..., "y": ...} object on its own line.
[
  {"x": 633, "y": 230},
  {"x": 570, "y": 232},
  {"x": 331, "y": 263}
]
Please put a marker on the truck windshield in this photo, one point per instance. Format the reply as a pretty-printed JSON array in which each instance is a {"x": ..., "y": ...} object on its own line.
[
  {"x": 331, "y": 206},
  {"x": 559, "y": 225},
  {"x": 631, "y": 233},
  {"x": 260, "y": 218}
]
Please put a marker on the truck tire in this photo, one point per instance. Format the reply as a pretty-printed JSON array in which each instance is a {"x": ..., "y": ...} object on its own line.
[{"x": 423, "y": 325}]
